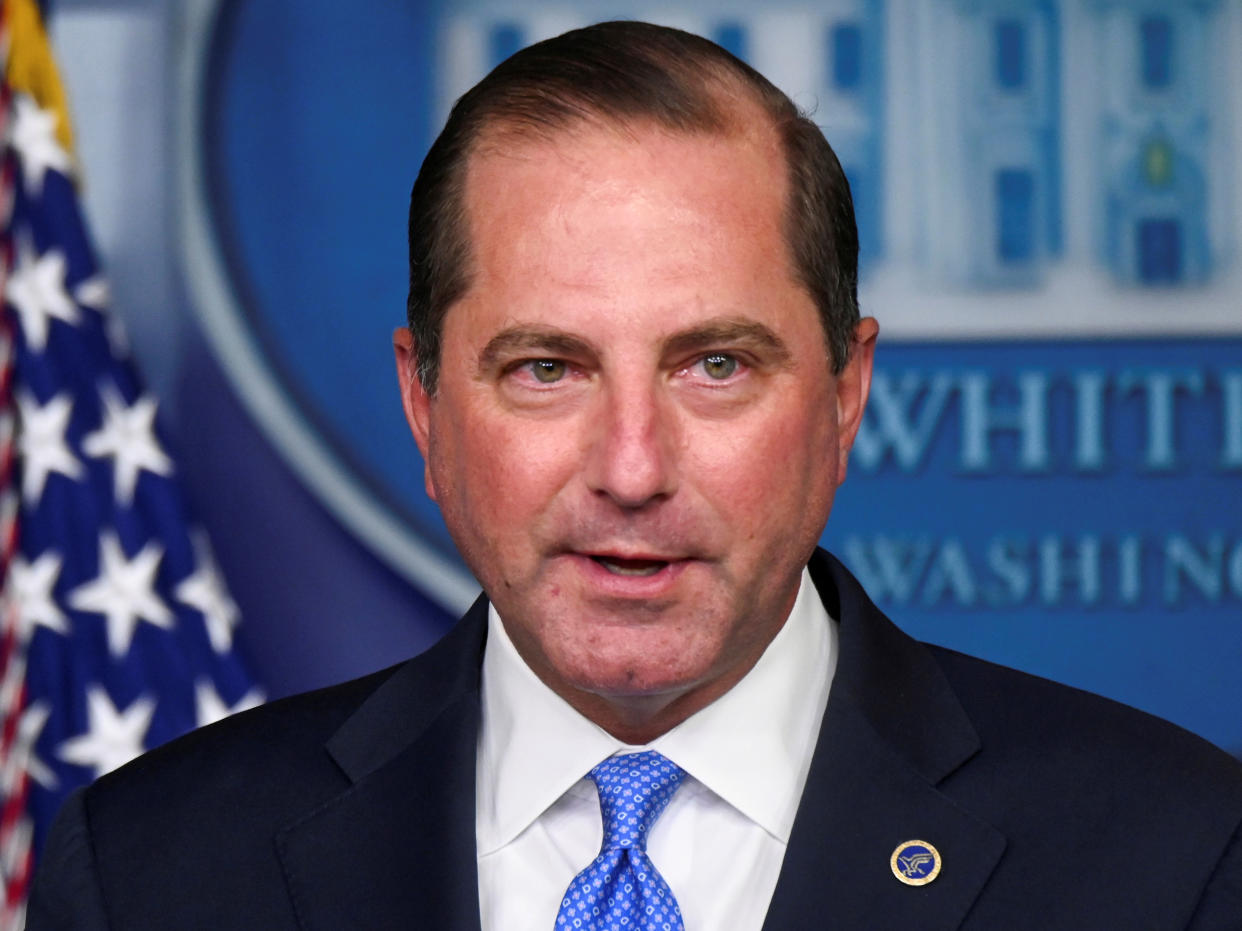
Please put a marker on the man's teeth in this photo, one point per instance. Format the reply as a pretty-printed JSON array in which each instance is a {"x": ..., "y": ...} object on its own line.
[{"x": 631, "y": 566}]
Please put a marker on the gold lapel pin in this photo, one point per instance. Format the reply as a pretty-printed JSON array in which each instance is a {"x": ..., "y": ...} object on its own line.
[{"x": 915, "y": 862}]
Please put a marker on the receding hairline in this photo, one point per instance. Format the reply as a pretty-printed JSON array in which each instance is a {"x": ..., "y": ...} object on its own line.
[
  {"x": 740, "y": 117},
  {"x": 734, "y": 109}
]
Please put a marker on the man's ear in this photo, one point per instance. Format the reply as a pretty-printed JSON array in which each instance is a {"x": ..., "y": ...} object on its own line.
[
  {"x": 415, "y": 400},
  {"x": 853, "y": 386}
]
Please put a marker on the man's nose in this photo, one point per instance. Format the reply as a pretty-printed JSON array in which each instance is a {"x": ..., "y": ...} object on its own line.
[{"x": 633, "y": 457}]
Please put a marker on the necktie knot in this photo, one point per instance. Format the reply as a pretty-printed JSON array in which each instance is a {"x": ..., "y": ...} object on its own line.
[
  {"x": 622, "y": 890},
  {"x": 634, "y": 789}
]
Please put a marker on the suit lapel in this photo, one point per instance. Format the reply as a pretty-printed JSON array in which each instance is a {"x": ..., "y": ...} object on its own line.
[
  {"x": 893, "y": 729},
  {"x": 396, "y": 849}
]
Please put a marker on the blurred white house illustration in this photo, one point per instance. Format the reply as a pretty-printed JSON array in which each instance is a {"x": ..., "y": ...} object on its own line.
[{"x": 1019, "y": 167}]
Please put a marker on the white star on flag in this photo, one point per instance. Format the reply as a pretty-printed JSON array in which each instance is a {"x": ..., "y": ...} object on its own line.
[
  {"x": 205, "y": 591},
  {"x": 128, "y": 436},
  {"x": 41, "y": 443},
  {"x": 22, "y": 758},
  {"x": 36, "y": 288},
  {"x": 30, "y": 587},
  {"x": 34, "y": 137},
  {"x": 210, "y": 707},
  {"x": 124, "y": 592},
  {"x": 94, "y": 292},
  {"x": 113, "y": 737}
]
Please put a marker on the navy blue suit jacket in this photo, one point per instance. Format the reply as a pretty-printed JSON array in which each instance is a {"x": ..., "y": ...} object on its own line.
[{"x": 353, "y": 807}]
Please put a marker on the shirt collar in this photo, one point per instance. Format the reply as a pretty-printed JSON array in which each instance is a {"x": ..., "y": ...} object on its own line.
[
  {"x": 752, "y": 746},
  {"x": 533, "y": 745}
]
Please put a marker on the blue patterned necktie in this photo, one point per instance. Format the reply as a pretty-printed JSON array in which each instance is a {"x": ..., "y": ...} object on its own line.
[{"x": 622, "y": 890}]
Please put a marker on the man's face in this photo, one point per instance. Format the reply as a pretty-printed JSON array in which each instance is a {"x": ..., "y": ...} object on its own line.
[{"x": 636, "y": 435}]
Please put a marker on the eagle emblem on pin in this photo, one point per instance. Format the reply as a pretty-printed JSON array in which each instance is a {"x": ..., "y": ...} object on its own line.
[{"x": 915, "y": 862}]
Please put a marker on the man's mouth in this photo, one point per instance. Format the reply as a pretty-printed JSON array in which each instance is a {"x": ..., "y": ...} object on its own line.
[{"x": 638, "y": 567}]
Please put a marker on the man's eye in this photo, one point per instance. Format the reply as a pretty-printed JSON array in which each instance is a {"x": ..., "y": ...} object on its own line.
[
  {"x": 719, "y": 366},
  {"x": 547, "y": 371}
]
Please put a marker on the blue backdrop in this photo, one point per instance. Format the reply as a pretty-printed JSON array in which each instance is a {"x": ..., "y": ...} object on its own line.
[{"x": 1049, "y": 205}]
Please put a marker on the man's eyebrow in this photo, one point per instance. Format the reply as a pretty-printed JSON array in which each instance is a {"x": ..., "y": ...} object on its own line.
[
  {"x": 520, "y": 340},
  {"x": 726, "y": 332}
]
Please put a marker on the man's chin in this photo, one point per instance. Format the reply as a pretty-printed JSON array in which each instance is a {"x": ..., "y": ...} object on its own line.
[
  {"x": 627, "y": 688},
  {"x": 641, "y": 685}
]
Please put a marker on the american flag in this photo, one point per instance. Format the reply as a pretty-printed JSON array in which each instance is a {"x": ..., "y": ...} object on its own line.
[{"x": 118, "y": 633}]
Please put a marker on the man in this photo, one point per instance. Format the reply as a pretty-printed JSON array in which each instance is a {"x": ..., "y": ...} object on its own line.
[{"x": 635, "y": 367}]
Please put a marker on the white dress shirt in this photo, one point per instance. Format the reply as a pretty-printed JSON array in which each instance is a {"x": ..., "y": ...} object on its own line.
[{"x": 720, "y": 842}]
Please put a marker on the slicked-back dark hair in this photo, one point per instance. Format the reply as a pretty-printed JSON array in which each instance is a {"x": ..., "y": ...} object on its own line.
[{"x": 628, "y": 73}]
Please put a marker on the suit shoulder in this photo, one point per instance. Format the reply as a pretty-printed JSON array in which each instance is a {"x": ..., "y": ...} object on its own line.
[
  {"x": 213, "y": 805},
  {"x": 1053, "y": 724},
  {"x": 288, "y": 754},
  {"x": 204, "y": 806},
  {"x": 1071, "y": 780},
  {"x": 280, "y": 743}
]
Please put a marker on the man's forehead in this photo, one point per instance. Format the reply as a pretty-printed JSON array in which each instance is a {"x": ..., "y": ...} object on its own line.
[
  {"x": 590, "y": 160},
  {"x": 629, "y": 189},
  {"x": 570, "y": 236},
  {"x": 741, "y": 120}
]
